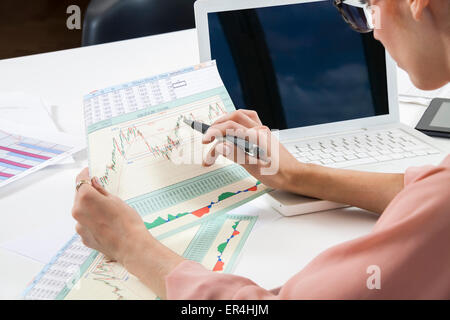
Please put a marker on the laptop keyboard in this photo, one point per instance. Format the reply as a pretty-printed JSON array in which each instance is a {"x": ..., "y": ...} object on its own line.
[{"x": 358, "y": 149}]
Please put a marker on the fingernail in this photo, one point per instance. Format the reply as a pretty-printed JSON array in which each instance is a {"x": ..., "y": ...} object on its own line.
[
  {"x": 208, "y": 139},
  {"x": 206, "y": 162},
  {"x": 96, "y": 181}
]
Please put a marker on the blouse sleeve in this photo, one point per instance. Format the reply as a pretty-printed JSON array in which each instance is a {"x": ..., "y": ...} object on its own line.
[
  {"x": 190, "y": 280},
  {"x": 414, "y": 173}
]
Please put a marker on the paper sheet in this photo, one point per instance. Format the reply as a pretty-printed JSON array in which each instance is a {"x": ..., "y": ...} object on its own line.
[
  {"x": 23, "y": 112},
  {"x": 24, "y": 150},
  {"x": 42, "y": 244},
  {"x": 24, "y": 109}
]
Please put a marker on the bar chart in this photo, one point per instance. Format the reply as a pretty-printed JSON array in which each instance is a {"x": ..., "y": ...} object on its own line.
[{"x": 21, "y": 155}]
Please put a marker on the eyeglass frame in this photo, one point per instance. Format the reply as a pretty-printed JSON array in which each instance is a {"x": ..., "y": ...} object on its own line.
[{"x": 338, "y": 5}]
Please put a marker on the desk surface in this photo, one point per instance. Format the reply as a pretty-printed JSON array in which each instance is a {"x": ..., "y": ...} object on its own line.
[{"x": 62, "y": 78}]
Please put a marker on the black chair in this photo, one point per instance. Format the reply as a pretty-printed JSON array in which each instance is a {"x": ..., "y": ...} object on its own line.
[{"x": 114, "y": 20}]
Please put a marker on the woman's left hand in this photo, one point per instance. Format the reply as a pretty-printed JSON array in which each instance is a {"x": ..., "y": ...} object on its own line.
[
  {"x": 109, "y": 225},
  {"x": 106, "y": 223}
]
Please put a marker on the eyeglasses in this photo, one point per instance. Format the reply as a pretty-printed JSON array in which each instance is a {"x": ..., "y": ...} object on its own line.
[{"x": 356, "y": 13}]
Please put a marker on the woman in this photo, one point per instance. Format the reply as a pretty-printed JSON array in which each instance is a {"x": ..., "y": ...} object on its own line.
[{"x": 409, "y": 243}]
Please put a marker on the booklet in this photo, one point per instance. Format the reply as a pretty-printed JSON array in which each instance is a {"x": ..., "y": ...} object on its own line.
[{"x": 141, "y": 151}]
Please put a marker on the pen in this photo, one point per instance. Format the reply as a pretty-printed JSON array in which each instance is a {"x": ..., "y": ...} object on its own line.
[{"x": 249, "y": 148}]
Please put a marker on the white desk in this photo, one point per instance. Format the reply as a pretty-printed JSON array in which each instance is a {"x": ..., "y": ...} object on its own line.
[{"x": 272, "y": 254}]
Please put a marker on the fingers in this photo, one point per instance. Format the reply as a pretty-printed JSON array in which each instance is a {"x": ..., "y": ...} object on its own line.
[
  {"x": 227, "y": 150},
  {"x": 86, "y": 198},
  {"x": 241, "y": 119},
  {"x": 98, "y": 186},
  {"x": 234, "y": 154},
  {"x": 260, "y": 136},
  {"x": 221, "y": 148},
  {"x": 85, "y": 189},
  {"x": 222, "y": 129}
]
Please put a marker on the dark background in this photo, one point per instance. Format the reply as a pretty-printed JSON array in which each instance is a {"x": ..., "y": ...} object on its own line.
[{"x": 36, "y": 26}]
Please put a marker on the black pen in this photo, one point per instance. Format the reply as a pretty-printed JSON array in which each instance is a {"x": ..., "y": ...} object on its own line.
[{"x": 249, "y": 148}]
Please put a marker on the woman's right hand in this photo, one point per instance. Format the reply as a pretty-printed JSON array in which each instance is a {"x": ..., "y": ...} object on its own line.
[{"x": 276, "y": 173}]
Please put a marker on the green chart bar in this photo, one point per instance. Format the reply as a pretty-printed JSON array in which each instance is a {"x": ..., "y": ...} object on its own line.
[{"x": 207, "y": 233}]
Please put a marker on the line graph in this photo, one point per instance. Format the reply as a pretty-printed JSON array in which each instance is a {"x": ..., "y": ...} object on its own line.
[
  {"x": 200, "y": 212},
  {"x": 109, "y": 273},
  {"x": 214, "y": 112},
  {"x": 221, "y": 247},
  {"x": 140, "y": 156},
  {"x": 225, "y": 241},
  {"x": 126, "y": 138}
]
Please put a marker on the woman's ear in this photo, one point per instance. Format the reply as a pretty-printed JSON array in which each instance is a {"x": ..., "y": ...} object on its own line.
[{"x": 417, "y": 7}]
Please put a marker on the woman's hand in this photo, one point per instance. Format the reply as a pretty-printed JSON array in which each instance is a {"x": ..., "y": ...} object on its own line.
[
  {"x": 109, "y": 225},
  {"x": 276, "y": 173},
  {"x": 105, "y": 222}
]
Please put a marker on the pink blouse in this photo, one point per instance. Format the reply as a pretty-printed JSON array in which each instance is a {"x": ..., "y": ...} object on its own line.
[{"x": 408, "y": 251}]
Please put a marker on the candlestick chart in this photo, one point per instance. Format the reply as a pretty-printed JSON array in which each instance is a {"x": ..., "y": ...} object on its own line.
[
  {"x": 138, "y": 160},
  {"x": 216, "y": 244},
  {"x": 144, "y": 154}
]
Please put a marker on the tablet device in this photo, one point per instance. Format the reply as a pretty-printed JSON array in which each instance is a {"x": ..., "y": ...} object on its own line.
[{"x": 436, "y": 119}]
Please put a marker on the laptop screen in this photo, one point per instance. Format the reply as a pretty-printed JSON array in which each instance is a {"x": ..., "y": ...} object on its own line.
[{"x": 299, "y": 65}]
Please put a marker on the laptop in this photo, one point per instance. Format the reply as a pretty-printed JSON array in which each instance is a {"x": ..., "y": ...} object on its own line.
[{"x": 331, "y": 91}]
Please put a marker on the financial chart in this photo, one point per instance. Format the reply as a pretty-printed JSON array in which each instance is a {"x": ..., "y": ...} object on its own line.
[
  {"x": 155, "y": 149},
  {"x": 141, "y": 151},
  {"x": 77, "y": 272}
]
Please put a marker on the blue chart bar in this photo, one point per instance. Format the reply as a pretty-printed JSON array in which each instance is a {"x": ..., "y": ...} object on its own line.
[
  {"x": 32, "y": 146},
  {"x": 10, "y": 166},
  {"x": 20, "y": 154}
]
